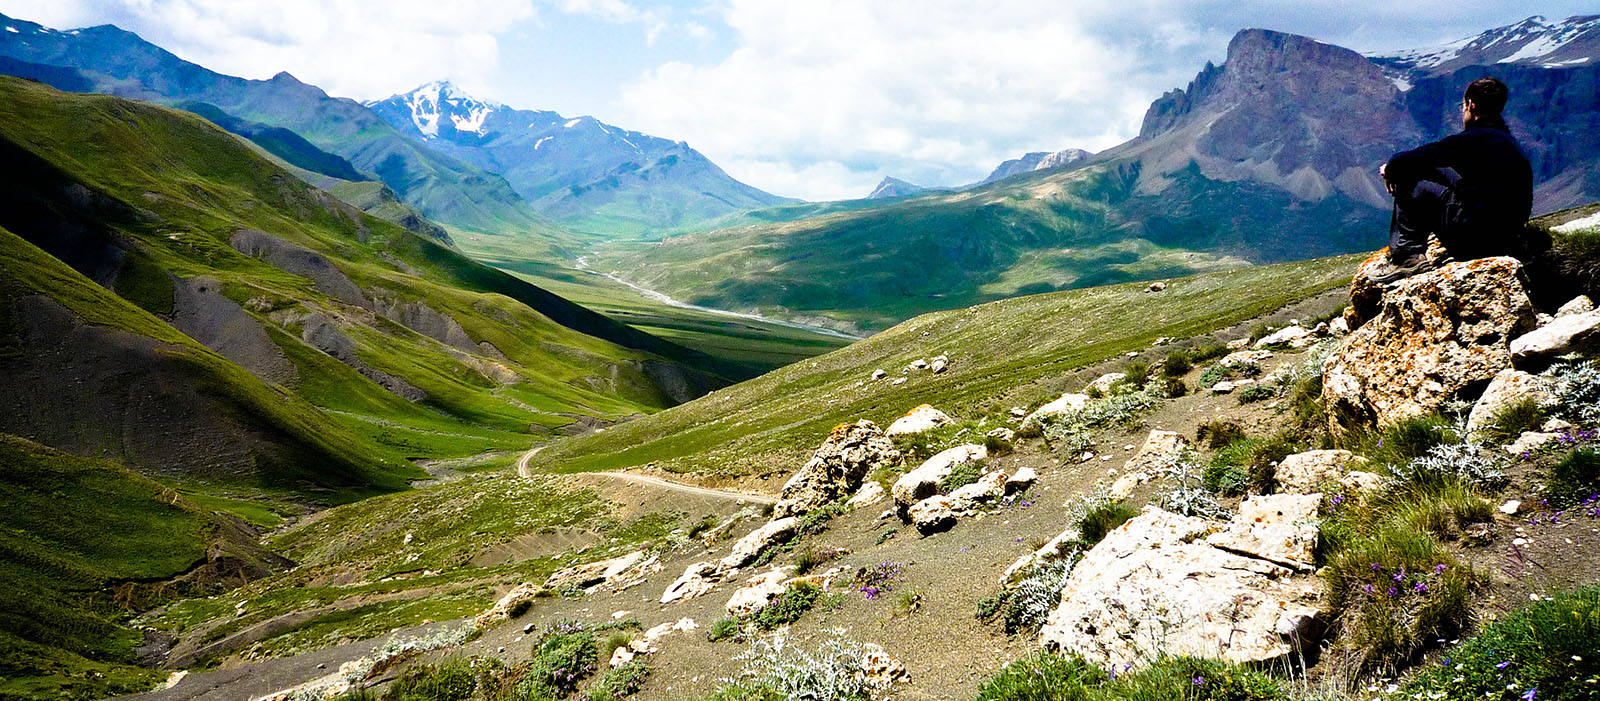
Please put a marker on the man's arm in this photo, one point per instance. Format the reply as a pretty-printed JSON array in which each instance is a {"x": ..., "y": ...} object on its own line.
[{"x": 1405, "y": 168}]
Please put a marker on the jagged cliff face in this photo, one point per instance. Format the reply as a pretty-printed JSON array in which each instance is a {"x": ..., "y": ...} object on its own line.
[{"x": 1288, "y": 111}]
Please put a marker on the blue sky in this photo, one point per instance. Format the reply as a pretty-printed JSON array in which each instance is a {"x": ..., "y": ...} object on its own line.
[{"x": 816, "y": 99}]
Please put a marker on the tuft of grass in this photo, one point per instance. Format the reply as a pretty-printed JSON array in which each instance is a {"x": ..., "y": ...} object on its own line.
[
  {"x": 1255, "y": 393},
  {"x": 1177, "y": 364},
  {"x": 1257, "y": 457},
  {"x": 1137, "y": 373},
  {"x": 454, "y": 679},
  {"x": 1525, "y": 414},
  {"x": 726, "y": 628},
  {"x": 1101, "y": 519},
  {"x": 961, "y": 476},
  {"x": 1218, "y": 433},
  {"x": 1551, "y": 646},
  {"x": 789, "y": 606},
  {"x": 1406, "y": 440},
  {"x": 621, "y": 682},
  {"x": 1573, "y": 480}
]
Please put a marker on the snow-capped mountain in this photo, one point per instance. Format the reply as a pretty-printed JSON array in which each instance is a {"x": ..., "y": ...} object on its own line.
[
  {"x": 580, "y": 170},
  {"x": 1534, "y": 41},
  {"x": 1035, "y": 160}
]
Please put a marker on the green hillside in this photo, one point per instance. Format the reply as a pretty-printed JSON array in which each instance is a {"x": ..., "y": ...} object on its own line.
[
  {"x": 418, "y": 350},
  {"x": 878, "y": 265},
  {"x": 1011, "y": 352}
]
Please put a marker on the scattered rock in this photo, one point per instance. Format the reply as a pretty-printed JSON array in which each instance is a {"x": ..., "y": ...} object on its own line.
[
  {"x": 1510, "y": 508},
  {"x": 1023, "y": 479},
  {"x": 1574, "y": 333},
  {"x": 621, "y": 656},
  {"x": 1579, "y": 305},
  {"x": 1104, "y": 382},
  {"x": 966, "y": 499},
  {"x": 932, "y": 515},
  {"x": 1554, "y": 425},
  {"x": 898, "y": 381},
  {"x": 1434, "y": 335},
  {"x": 1508, "y": 387},
  {"x": 918, "y": 364},
  {"x": 1313, "y": 470},
  {"x": 1151, "y": 584},
  {"x": 1244, "y": 358},
  {"x": 748, "y": 548},
  {"x": 1238, "y": 343},
  {"x": 870, "y": 493},
  {"x": 1065, "y": 404},
  {"x": 879, "y": 374},
  {"x": 1530, "y": 441},
  {"x": 923, "y": 482},
  {"x": 1228, "y": 386},
  {"x": 922, "y": 418},
  {"x": 1291, "y": 336},
  {"x": 939, "y": 364},
  {"x": 695, "y": 581},
  {"x": 757, "y": 592},
  {"x": 593, "y": 573},
  {"x": 1002, "y": 435},
  {"x": 1339, "y": 327},
  {"x": 836, "y": 469},
  {"x": 1160, "y": 451},
  {"x": 1280, "y": 528},
  {"x": 1156, "y": 287}
]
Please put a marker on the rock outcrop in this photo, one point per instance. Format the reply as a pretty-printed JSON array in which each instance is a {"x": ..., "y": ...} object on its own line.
[
  {"x": 1281, "y": 528},
  {"x": 836, "y": 469},
  {"x": 1574, "y": 333},
  {"x": 750, "y": 547},
  {"x": 1065, "y": 404},
  {"x": 1312, "y": 471},
  {"x": 932, "y": 515},
  {"x": 1159, "y": 452},
  {"x": 757, "y": 592},
  {"x": 698, "y": 579},
  {"x": 1434, "y": 335},
  {"x": 1155, "y": 586}
]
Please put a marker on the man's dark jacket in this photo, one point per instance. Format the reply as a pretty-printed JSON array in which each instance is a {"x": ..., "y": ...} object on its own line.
[{"x": 1495, "y": 186}]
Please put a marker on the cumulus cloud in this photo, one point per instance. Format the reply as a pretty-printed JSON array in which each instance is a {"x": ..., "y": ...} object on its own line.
[
  {"x": 348, "y": 47},
  {"x": 822, "y": 98}
]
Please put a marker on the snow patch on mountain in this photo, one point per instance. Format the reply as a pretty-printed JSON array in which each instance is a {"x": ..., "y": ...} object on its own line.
[
  {"x": 1532, "y": 40},
  {"x": 433, "y": 101}
]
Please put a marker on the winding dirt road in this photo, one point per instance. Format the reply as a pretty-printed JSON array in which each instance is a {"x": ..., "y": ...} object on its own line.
[{"x": 522, "y": 469}]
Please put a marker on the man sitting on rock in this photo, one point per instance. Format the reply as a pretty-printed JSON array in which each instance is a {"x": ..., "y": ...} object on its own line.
[{"x": 1473, "y": 190}]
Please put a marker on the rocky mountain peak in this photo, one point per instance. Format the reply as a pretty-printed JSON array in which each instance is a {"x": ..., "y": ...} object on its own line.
[
  {"x": 1574, "y": 41},
  {"x": 443, "y": 103},
  {"x": 894, "y": 187}
]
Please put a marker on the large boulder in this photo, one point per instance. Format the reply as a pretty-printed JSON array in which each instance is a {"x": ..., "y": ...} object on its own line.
[
  {"x": 1578, "y": 305},
  {"x": 932, "y": 515},
  {"x": 1507, "y": 388},
  {"x": 1574, "y": 333},
  {"x": 1290, "y": 336},
  {"x": 836, "y": 469},
  {"x": 918, "y": 420},
  {"x": 1103, "y": 383},
  {"x": 1281, "y": 528},
  {"x": 774, "y": 532},
  {"x": 1065, "y": 404},
  {"x": 1434, "y": 335},
  {"x": 871, "y": 493},
  {"x": 1310, "y": 472},
  {"x": 1154, "y": 586},
  {"x": 593, "y": 573},
  {"x": 969, "y": 498},
  {"x": 1159, "y": 452},
  {"x": 518, "y": 598},
  {"x": 923, "y": 482}
]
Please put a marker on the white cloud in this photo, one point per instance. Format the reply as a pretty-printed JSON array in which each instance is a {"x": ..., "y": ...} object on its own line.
[{"x": 348, "y": 47}]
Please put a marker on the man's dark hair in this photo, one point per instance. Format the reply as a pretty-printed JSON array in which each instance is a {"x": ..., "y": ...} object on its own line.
[{"x": 1488, "y": 96}]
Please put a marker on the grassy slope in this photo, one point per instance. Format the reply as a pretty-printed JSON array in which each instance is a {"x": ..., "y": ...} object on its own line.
[
  {"x": 1063, "y": 230},
  {"x": 1008, "y": 352},
  {"x": 204, "y": 185},
  {"x": 60, "y": 631}
]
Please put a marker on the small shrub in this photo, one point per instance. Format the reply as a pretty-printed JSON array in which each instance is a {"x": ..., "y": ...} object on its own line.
[
  {"x": 1472, "y": 463},
  {"x": 1190, "y": 498},
  {"x": 817, "y": 520},
  {"x": 1136, "y": 373},
  {"x": 1043, "y": 676},
  {"x": 561, "y": 662},
  {"x": 886, "y": 536},
  {"x": 701, "y": 526},
  {"x": 1217, "y": 373},
  {"x": 1574, "y": 479},
  {"x": 724, "y": 629},
  {"x": 1209, "y": 351},
  {"x": 1255, "y": 393},
  {"x": 1217, "y": 433},
  {"x": 1024, "y": 608},
  {"x": 1408, "y": 439},
  {"x": 454, "y": 679},
  {"x": 1525, "y": 414},
  {"x": 873, "y": 581},
  {"x": 1167, "y": 388},
  {"x": 836, "y": 670},
  {"x": 1257, "y": 457},
  {"x": 789, "y": 606},
  {"x": 621, "y": 682},
  {"x": 1177, "y": 364},
  {"x": 1227, "y": 480},
  {"x": 1552, "y": 646},
  {"x": 1101, "y": 519},
  {"x": 961, "y": 476}
]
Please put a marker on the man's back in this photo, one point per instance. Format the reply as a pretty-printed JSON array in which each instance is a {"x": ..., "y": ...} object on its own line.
[{"x": 1495, "y": 187}]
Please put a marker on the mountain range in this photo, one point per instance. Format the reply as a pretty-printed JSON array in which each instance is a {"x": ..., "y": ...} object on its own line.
[
  {"x": 1270, "y": 156},
  {"x": 583, "y": 172}
]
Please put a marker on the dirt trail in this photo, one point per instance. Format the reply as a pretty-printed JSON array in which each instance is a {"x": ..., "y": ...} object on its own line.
[{"x": 522, "y": 469}]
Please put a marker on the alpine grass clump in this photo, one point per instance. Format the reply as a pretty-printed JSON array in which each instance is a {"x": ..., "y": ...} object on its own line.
[
  {"x": 1255, "y": 393},
  {"x": 1526, "y": 414},
  {"x": 1101, "y": 518},
  {"x": 960, "y": 476},
  {"x": 1547, "y": 650},
  {"x": 455, "y": 679},
  {"x": 1573, "y": 480},
  {"x": 789, "y": 606},
  {"x": 622, "y": 682}
]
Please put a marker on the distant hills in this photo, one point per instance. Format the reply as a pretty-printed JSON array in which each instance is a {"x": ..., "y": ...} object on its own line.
[
  {"x": 1271, "y": 156},
  {"x": 583, "y": 172}
]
